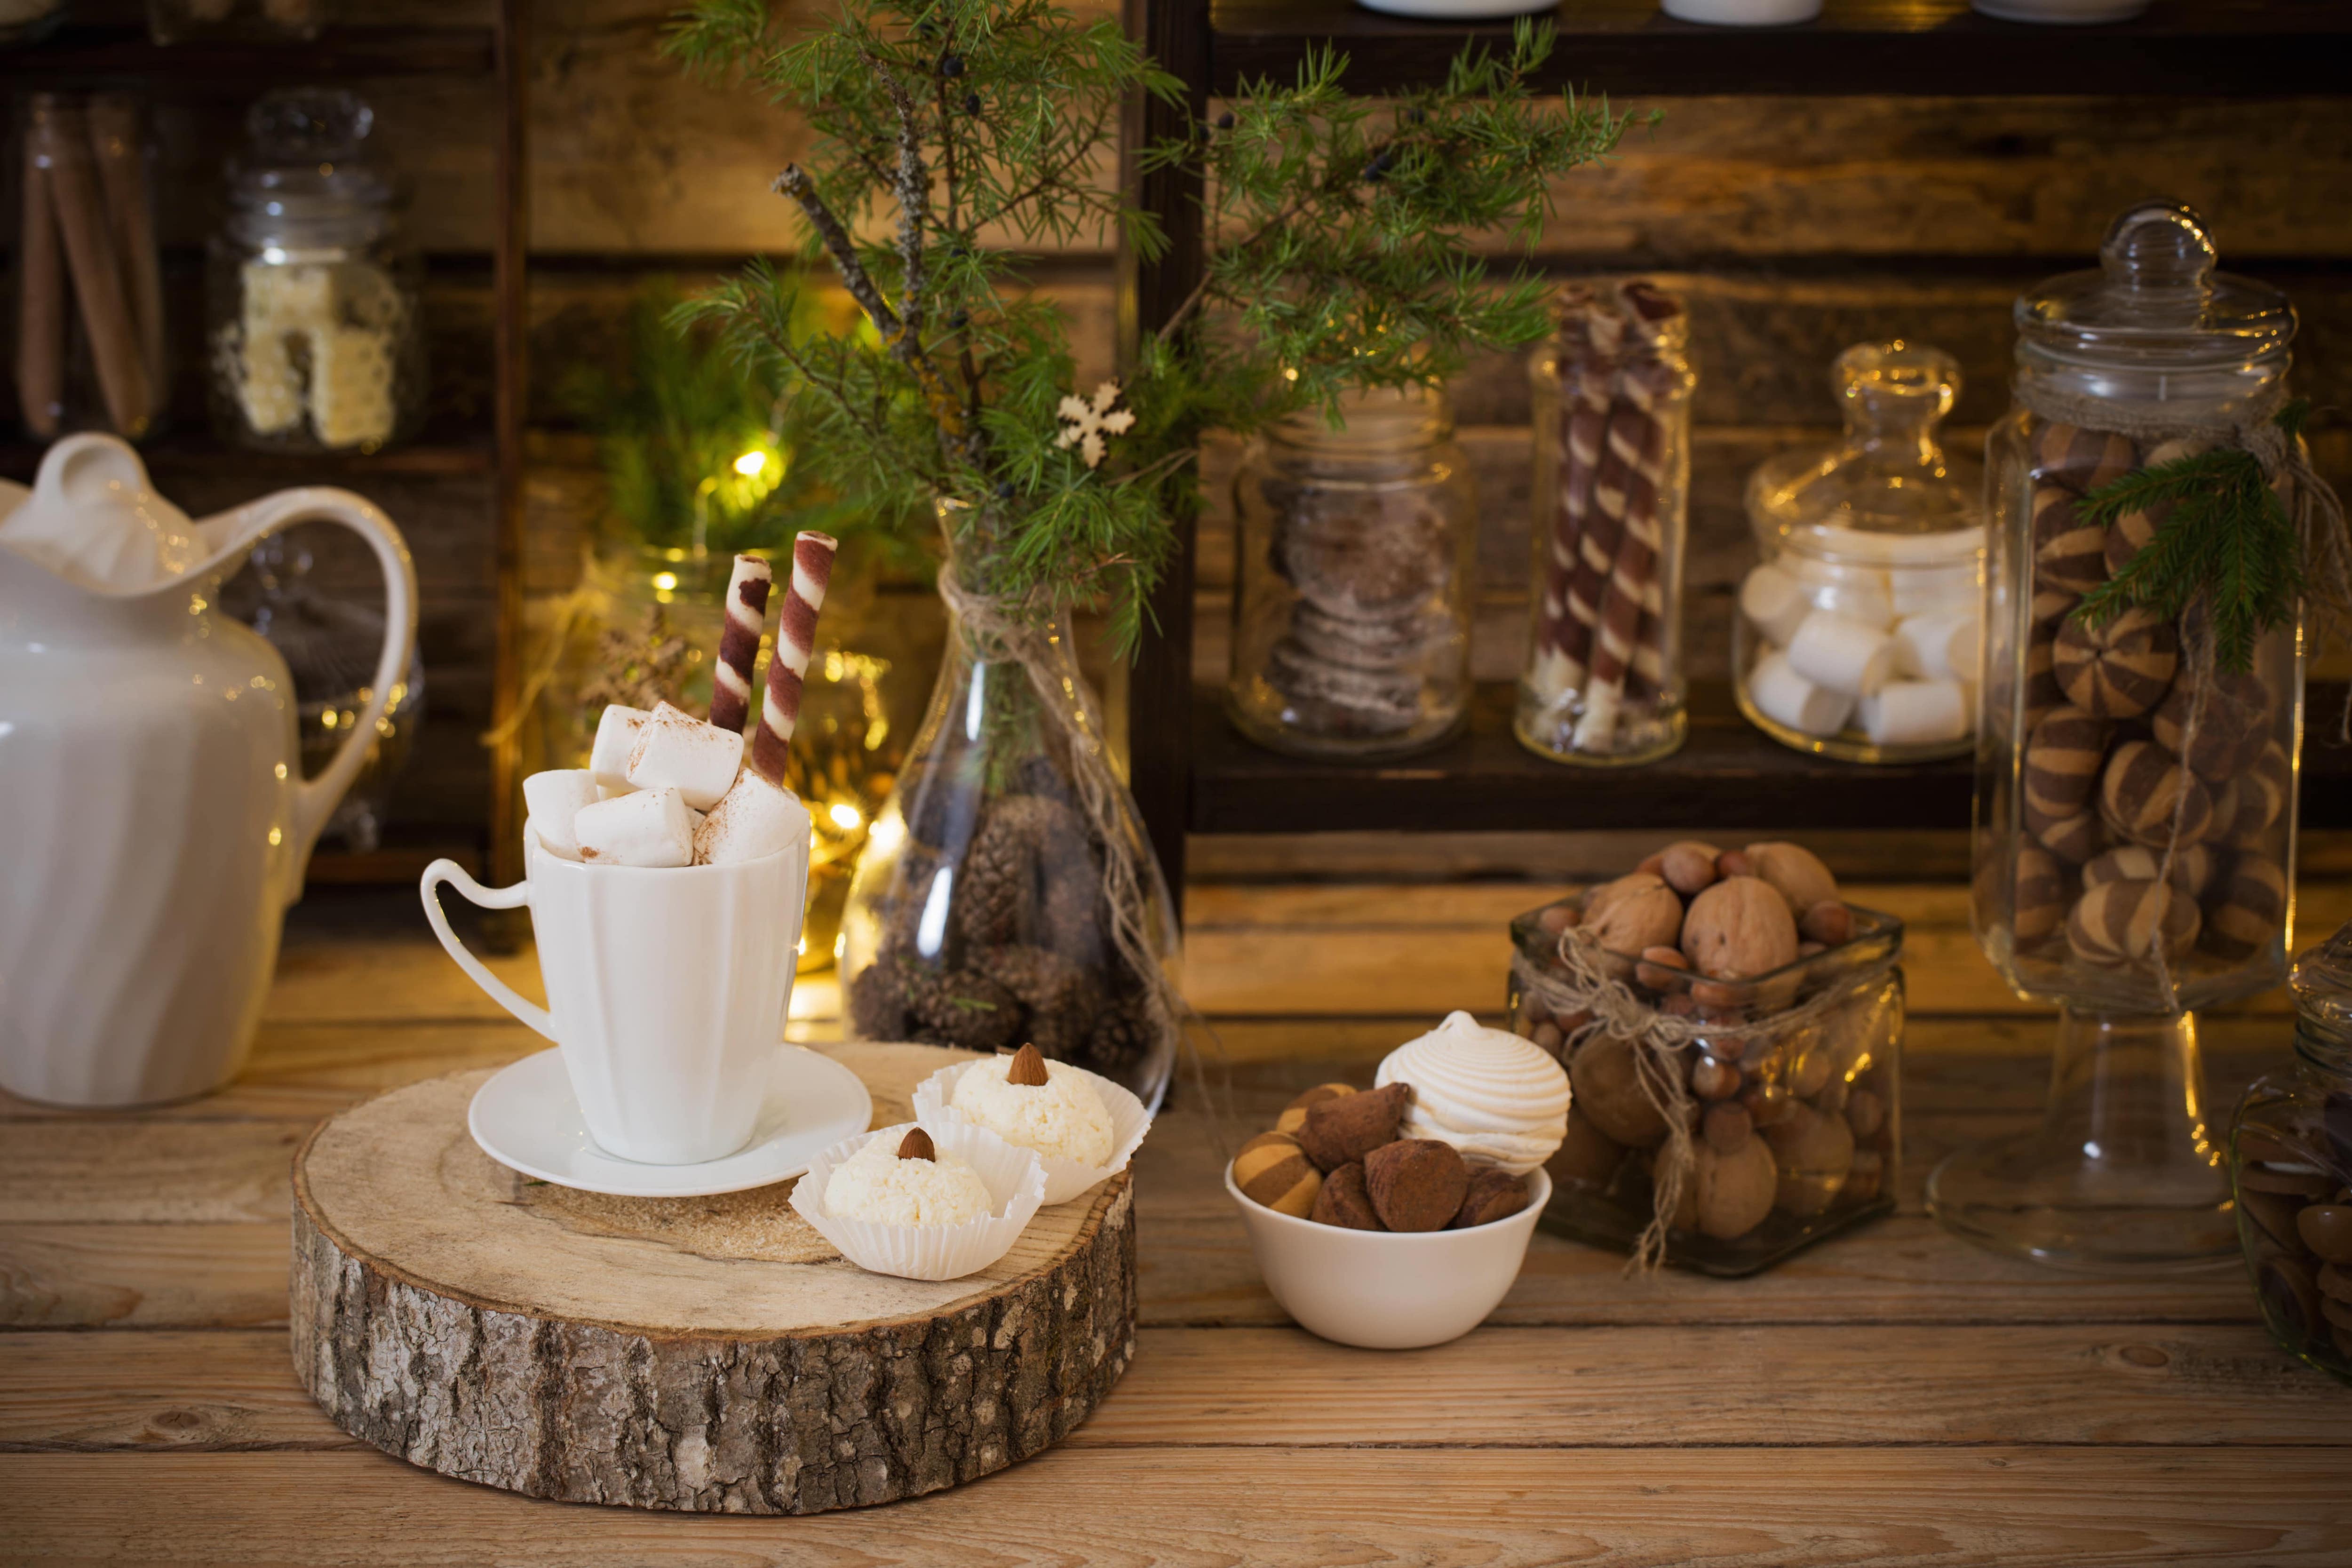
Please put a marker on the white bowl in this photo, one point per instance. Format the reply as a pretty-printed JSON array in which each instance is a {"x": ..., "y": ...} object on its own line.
[{"x": 1389, "y": 1291}]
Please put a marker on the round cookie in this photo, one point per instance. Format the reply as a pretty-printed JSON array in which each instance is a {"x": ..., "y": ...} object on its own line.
[
  {"x": 2234, "y": 724},
  {"x": 2081, "y": 460},
  {"x": 2070, "y": 551},
  {"x": 2147, "y": 797},
  {"x": 2119, "y": 669},
  {"x": 2121, "y": 922}
]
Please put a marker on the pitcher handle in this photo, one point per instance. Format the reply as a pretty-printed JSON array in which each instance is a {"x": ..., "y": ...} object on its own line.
[
  {"x": 316, "y": 799},
  {"x": 498, "y": 991}
]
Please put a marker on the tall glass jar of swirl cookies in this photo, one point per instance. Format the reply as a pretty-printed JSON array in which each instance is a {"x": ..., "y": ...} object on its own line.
[
  {"x": 1604, "y": 681},
  {"x": 2150, "y": 509},
  {"x": 1351, "y": 628}
]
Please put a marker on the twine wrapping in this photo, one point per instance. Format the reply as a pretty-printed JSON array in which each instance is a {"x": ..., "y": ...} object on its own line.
[
  {"x": 1018, "y": 638},
  {"x": 2322, "y": 541},
  {"x": 1659, "y": 1041}
]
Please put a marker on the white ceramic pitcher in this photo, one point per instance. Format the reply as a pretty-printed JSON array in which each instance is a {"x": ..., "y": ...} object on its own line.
[{"x": 153, "y": 820}]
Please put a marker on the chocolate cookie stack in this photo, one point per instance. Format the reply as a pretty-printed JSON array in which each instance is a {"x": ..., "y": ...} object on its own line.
[{"x": 1371, "y": 569}]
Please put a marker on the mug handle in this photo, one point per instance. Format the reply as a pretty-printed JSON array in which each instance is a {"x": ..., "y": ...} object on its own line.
[
  {"x": 498, "y": 989},
  {"x": 241, "y": 529}
]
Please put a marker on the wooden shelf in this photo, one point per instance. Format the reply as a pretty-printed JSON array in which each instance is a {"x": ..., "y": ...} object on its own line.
[
  {"x": 86, "y": 56},
  {"x": 1727, "y": 775},
  {"x": 195, "y": 453},
  {"x": 2180, "y": 48}
]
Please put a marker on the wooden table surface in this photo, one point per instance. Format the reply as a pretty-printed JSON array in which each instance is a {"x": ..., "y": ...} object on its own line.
[{"x": 1893, "y": 1397}]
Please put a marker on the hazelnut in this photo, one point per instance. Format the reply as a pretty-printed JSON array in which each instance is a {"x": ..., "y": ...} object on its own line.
[
  {"x": 1556, "y": 919},
  {"x": 1727, "y": 1127},
  {"x": 1679, "y": 1006},
  {"x": 1606, "y": 1083},
  {"x": 1862, "y": 1182},
  {"x": 1663, "y": 968},
  {"x": 1587, "y": 1154},
  {"x": 1733, "y": 863},
  {"x": 1795, "y": 872},
  {"x": 1809, "y": 1074},
  {"x": 1738, "y": 929},
  {"x": 1712, "y": 1080},
  {"x": 1731, "y": 1193},
  {"x": 1865, "y": 1113},
  {"x": 1688, "y": 866},
  {"x": 1571, "y": 1022},
  {"x": 1811, "y": 950},
  {"x": 1831, "y": 1098},
  {"x": 1769, "y": 1103},
  {"x": 1546, "y": 1034},
  {"x": 1638, "y": 916},
  {"x": 1829, "y": 922},
  {"x": 1814, "y": 1154}
]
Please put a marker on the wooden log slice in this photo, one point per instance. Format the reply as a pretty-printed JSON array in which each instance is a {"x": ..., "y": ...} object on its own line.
[{"x": 678, "y": 1358}]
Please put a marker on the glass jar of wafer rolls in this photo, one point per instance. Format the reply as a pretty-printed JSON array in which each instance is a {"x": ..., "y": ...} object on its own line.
[
  {"x": 2291, "y": 1169},
  {"x": 1603, "y": 679},
  {"x": 1351, "y": 625},
  {"x": 1857, "y": 632},
  {"x": 2134, "y": 842}
]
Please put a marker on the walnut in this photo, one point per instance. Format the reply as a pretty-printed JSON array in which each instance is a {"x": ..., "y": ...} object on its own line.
[
  {"x": 1795, "y": 871},
  {"x": 1813, "y": 1151},
  {"x": 1646, "y": 913},
  {"x": 1738, "y": 929},
  {"x": 1606, "y": 1079}
]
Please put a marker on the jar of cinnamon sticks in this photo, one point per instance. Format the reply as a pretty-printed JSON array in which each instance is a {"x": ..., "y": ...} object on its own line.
[{"x": 1604, "y": 681}]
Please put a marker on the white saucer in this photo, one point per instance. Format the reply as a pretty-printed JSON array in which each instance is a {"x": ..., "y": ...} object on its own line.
[{"x": 527, "y": 1118}]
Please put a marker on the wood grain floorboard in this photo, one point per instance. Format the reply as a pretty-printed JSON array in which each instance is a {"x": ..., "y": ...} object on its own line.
[
  {"x": 1108, "y": 1508},
  {"x": 1806, "y": 1386}
]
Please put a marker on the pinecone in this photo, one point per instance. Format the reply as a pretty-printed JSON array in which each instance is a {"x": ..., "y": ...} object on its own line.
[
  {"x": 1064, "y": 1000},
  {"x": 877, "y": 1000},
  {"x": 1122, "y": 1038},
  {"x": 965, "y": 1007},
  {"x": 1026, "y": 849}
]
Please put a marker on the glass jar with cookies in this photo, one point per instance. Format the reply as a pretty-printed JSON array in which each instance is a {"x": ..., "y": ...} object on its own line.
[
  {"x": 2151, "y": 514},
  {"x": 1732, "y": 1030},
  {"x": 2290, "y": 1170},
  {"x": 1351, "y": 626}
]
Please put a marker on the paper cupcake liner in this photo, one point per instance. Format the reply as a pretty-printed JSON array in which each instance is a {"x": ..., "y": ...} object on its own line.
[
  {"x": 1016, "y": 1180},
  {"x": 1064, "y": 1179}
]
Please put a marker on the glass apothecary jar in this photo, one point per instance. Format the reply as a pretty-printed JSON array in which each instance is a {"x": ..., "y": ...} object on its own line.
[
  {"x": 1604, "y": 681},
  {"x": 2134, "y": 844},
  {"x": 312, "y": 295},
  {"x": 1858, "y": 635},
  {"x": 2290, "y": 1170},
  {"x": 1351, "y": 628},
  {"x": 1788, "y": 1098}
]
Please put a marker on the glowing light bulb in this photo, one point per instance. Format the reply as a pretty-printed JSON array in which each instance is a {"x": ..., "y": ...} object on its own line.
[
  {"x": 750, "y": 464},
  {"x": 666, "y": 581},
  {"x": 845, "y": 815}
]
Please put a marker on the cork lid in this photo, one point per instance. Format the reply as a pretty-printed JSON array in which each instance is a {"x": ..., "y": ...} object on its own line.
[
  {"x": 1888, "y": 489},
  {"x": 2157, "y": 301}
]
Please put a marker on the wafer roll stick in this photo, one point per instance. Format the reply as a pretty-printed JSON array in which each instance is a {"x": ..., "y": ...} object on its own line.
[
  {"x": 114, "y": 141},
  {"x": 1634, "y": 573},
  {"x": 739, "y": 642},
  {"x": 796, "y": 641},
  {"x": 40, "y": 295},
  {"x": 64, "y": 135}
]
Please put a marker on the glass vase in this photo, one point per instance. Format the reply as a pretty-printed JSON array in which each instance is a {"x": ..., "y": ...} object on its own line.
[{"x": 988, "y": 908}]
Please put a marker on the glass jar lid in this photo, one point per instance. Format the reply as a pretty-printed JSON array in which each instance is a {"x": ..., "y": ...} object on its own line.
[
  {"x": 303, "y": 181},
  {"x": 2155, "y": 303},
  {"x": 1888, "y": 491}
]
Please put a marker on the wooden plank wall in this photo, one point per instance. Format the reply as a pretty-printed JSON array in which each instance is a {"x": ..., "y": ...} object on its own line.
[{"x": 1793, "y": 226}]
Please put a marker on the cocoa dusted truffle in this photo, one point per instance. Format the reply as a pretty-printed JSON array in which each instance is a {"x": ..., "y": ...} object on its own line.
[{"x": 1343, "y": 1130}]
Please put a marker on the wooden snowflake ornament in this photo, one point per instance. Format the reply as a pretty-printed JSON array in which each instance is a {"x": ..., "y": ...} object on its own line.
[{"x": 1088, "y": 424}]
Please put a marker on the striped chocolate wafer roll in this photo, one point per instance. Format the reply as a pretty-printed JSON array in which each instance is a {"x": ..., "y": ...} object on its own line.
[
  {"x": 796, "y": 641},
  {"x": 739, "y": 642}
]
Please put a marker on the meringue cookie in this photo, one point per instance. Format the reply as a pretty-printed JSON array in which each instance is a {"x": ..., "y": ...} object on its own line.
[{"x": 1501, "y": 1100}]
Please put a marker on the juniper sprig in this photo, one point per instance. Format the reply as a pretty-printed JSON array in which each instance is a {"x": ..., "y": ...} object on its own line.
[{"x": 2223, "y": 535}]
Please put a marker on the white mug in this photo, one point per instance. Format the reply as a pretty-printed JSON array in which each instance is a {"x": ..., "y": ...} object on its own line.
[{"x": 667, "y": 989}]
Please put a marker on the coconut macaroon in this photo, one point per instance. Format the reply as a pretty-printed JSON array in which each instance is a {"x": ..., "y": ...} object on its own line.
[
  {"x": 906, "y": 1181},
  {"x": 1046, "y": 1106}
]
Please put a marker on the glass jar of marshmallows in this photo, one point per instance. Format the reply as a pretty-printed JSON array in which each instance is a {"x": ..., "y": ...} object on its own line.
[{"x": 1858, "y": 630}]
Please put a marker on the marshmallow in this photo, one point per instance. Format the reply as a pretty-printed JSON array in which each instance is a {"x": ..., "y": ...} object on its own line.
[
  {"x": 751, "y": 821},
  {"x": 616, "y": 732},
  {"x": 554, "y": 798},
  {"x": 677, "y": 750},
  {"x": 1937, "y": 648},
  {"x": 1844, "y": 654},
  {"x": 1857, "y": 592},
  {"x": 644, "y": 827},
  {"x": 1917, "y": 713},
  {"x": 1783, "y": 696},
  {"x": 1934, "y": 590},
  {"x": 1775, "y": 602}
]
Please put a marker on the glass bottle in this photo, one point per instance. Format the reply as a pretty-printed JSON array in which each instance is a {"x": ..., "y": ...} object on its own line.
[
  {"x": 313, "y": 296},
  {"x": 330, "y": 645},
  {"x": 1358, "y": 544},
  {"x": 1858, "y": 631},
  {"x": 989, "y": 908},
  {"x": 2134, "y": 844},
  {"x": 1604, "y": 681},
  {"x": 2290, "y": 1170}
]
